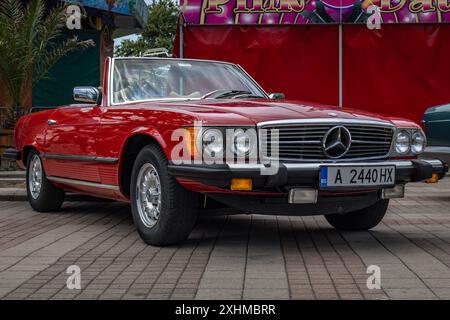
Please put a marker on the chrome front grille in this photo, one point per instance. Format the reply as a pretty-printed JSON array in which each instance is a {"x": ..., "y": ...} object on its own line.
[{"x": 304, "y": 142}]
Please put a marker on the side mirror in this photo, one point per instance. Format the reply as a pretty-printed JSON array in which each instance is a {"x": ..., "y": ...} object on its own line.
[
  {"x": 87, "y": 94},
  {"x": 277, "y": 96}
]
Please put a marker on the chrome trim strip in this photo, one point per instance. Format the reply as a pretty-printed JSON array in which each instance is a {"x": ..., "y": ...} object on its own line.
[
  {"x": 59, "y": 156},
  {"x": 337, "y": 121},
  {"x": 67, "y": 157},
  {"x": 110, "y": 88},
  {"x": 162, "y": 100},
  {"x": 106, "y": 159},
  {"x": 435, "y": 149},
  {"x": 83, "y": 183},
  {"x": 177, "y": 59},
  {"x": 434, "y": 162},
  {"x": 401, "y": 163},
  {"x": 111, "y": 80},
  {"x": 247, "y": 166},
  {"x": 317, "y": 165}
]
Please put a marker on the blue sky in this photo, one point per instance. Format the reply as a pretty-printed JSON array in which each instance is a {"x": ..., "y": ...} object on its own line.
[{"x": 117, "y": 41}]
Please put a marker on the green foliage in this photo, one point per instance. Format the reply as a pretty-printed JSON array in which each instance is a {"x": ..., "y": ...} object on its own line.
[
  {"x": 159, "y": 32},
  {"x": 28, "y": 48}
]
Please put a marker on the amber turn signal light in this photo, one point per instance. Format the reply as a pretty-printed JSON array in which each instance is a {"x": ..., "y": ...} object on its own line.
[
  {"x": 434, "y": 178},
  {"x": 190, "y": 136},
  {"x": 241, "y": 184}
]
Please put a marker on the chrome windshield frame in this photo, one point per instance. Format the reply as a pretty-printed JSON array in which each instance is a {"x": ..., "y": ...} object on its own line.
[{"x": 111, "y": 79}]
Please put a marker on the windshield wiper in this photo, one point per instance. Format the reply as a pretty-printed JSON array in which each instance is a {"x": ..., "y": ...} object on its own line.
[
  {"x": 225, "y": 93},
  {"x": 246, "y": 95}
]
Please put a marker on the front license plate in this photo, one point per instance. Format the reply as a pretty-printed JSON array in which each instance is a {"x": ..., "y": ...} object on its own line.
[{"x": 351, "y": 176}]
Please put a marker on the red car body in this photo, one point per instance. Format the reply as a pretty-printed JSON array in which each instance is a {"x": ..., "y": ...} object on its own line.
[
  {"x": 104, "y": 132},
  {"x": 90, "y": 149}
]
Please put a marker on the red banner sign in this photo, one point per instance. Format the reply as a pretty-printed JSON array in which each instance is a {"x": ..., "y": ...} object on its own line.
[{"x": 249, "y": 12}]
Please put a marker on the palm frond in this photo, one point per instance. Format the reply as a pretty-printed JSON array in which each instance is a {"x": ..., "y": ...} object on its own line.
[
  {"x": 34, "y": 15},
  {"x": 11, "y": 11},
  {"x": 30, "y": 45},
  {"x": 53, "y": 24}
]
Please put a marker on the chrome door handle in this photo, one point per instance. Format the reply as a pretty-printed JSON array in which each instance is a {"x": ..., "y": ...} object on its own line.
[{"x": 51, "y": 122}]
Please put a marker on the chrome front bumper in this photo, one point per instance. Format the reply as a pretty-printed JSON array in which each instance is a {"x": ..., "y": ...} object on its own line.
[
  {"x": 298, "y": 174},
  {"x": 442, "y": 153}
]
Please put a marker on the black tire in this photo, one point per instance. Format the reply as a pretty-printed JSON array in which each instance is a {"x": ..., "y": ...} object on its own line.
[
  {"x": 49, "y": 198},
  {"x": 363, "y": 219},
  {"x": 178, "y": 206}
]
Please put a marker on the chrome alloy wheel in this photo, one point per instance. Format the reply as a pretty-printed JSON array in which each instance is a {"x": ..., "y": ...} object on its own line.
[
  {"x": 35, "y": 177},
  {"x": 148, "y": 195}
]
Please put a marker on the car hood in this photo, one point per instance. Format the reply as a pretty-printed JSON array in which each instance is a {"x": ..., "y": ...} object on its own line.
[{"x": 260, "y": 110}]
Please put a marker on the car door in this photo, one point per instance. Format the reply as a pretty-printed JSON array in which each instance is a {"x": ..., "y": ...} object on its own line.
[{"x": 71, "y": 143}]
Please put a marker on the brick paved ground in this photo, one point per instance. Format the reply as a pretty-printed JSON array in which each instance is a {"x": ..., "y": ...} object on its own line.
[{"x": 228, "y": 257}]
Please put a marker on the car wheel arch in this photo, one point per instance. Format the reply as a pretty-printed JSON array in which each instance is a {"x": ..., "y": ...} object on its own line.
[
  {"x": 25, "y": 152},
  {"x": 130, "y": 150}
]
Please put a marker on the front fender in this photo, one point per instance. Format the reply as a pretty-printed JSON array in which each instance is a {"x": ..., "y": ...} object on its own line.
[{"x": 151, "y": 132}]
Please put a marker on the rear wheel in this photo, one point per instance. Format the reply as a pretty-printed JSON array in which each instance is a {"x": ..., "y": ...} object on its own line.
[
  {"x": 164, "y": 212},
  {"x": 363, "y": 219},
  {"x": 42, "y": 194}
]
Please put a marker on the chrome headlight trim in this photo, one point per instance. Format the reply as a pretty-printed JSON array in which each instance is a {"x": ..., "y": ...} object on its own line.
[
  {"x": 212, "y": 141},
  {"x": 418, "y": 142},
  {"x": 240, "y": 143},
  {"x": 228, "y": 142},
  {"x": 410, "y": 135},
  {"x": 402, "y": 142}
]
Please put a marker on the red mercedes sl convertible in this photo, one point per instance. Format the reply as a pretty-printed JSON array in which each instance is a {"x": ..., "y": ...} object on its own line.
[{"x": 175, "y": 137}]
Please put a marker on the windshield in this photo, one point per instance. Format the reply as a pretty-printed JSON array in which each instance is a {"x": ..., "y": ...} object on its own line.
[{"x": 147, "y": 79}]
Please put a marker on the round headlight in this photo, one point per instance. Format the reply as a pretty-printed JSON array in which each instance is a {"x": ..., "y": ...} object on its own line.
[
  {"x": 417, "y": 142},
  {"x": 241, "y": 143},
  {"x": 402, "y": 142},
  {"x": 212, "y": 141}
]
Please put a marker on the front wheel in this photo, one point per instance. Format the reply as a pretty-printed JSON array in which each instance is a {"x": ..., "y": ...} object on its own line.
[
  {"x": 42, "y": 194},
  {"x": 363, "y": 219},
  {"x": 164, "y": 212}
]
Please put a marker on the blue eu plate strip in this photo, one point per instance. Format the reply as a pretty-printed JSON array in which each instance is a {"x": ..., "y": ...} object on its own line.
[{"x": 323, "y": 176}]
